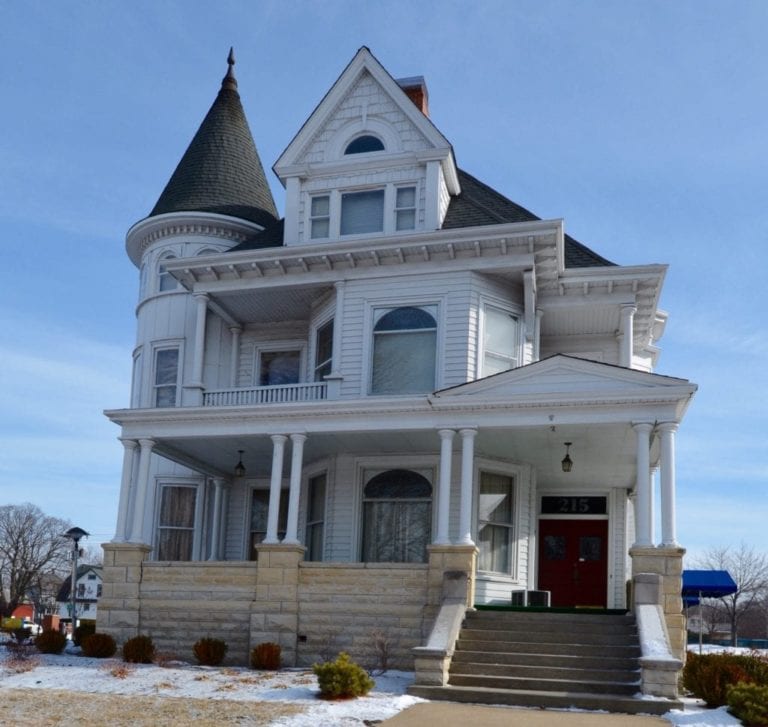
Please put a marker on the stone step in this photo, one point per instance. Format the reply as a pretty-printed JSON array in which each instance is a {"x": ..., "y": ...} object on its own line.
[
  {"x": 581, "y": 617},
  {"x": 626, "y": 689},
  {"x": 549, "y": 622},
  {"x": 570, "y": 636},
  {"x": 545, "y": 699},
  {"x": 524, "y": 647},
  {"x": 554, "y": 671},
  {"x": 601, "y": 661}
]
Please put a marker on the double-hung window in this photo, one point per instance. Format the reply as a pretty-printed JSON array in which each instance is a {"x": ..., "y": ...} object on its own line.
[
  {"x": 324, "y": 350},
  {"x": 362, "y": 212},
  {"x": 166, "y": 376},
  {"x": 405, "y": 208},
  {"x": 404, "y": 350},
  {"x": 496, "y": 523},
  {"x": 500, "y": 340},
  {"x": 320, "y": 217},
  {"x": 165, "y": 281},
  {"x": 176, "y": 524},
  {"x": 315, "y": 517}
]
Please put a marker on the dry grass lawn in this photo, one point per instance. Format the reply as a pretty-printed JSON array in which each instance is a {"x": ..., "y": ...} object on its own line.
[{"x": 49, "y": 708}]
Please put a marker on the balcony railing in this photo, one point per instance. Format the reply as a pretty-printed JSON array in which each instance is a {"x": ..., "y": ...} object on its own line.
[{"x": 282, "y": 394}]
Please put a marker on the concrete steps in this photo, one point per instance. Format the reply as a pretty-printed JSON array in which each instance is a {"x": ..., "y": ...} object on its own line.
[{"x": 545, "y": 659}]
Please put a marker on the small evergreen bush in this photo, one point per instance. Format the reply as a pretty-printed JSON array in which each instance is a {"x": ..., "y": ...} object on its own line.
[
  {"x": 83, "y": 630},
  {"x": 266, "y": 656},
  {"x": 50, "y": 641},
  {"x": 209, "y": 651},
  {"x": 98, "y": 646},
  {"x": 139, "y": 650},
  {"x": 342, "y": 678},
  {"x": 709, "y": 676},
  {"x": 749, "y": 703}
]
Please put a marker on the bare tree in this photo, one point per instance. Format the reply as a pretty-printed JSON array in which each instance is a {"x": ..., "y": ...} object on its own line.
[
  {"x": 750, "y": 571},
  {"x": 32, "y": 550}
]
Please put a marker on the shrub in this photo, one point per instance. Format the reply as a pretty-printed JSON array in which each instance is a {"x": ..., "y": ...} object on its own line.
[
  {"x": 83, "y": 630},
  {"x": 139, "y": 650},
  {"x": 209, "y": 651},
  {"x": 749, "y": 703},
  {"x": 266, "y": 656},
  {"x": 709, "y": 676},
  {"x": 99, "y": 646},
  {"x": 342, "y": 678},
  {"x": 50, "y": 641}
]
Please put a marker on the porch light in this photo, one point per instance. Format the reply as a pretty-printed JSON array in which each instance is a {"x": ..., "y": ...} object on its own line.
[
  {"x": 240, "y": 467},
  {"x": 567, "y": 462}
]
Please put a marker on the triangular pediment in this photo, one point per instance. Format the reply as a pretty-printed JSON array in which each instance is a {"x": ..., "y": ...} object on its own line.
[
  {"x": 365, "y": 98},
  {"x": 563, "y": 375}
]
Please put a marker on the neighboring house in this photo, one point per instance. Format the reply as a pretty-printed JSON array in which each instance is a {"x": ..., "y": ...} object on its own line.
[
  {"x": 406, "y": 377},
  {"x": 88, "y": 586}
]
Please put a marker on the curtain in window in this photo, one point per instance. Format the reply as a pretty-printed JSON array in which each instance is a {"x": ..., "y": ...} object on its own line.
[
  {"x": 495, "y": 520},
  {"x": 397, "y": 518},
  {"x": 177, "y": 523},
  {"x": 404, "y": 352},
  {"x": 362, "y": 212}
]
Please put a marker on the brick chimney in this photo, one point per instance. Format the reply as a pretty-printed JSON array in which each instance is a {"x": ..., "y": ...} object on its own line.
[{"x": 415, "y": 88}]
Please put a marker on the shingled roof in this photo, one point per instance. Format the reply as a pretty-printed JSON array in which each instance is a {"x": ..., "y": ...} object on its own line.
[
  {"x": 221, "y": 171},
  {"x": 479, "y": 204}
]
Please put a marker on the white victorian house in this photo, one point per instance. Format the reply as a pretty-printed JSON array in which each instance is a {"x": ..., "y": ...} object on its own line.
[{"x": 406, "y": 377}]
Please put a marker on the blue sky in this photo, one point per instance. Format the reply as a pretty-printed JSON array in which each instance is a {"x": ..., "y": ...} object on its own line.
[{"x": 642, "y": 124}]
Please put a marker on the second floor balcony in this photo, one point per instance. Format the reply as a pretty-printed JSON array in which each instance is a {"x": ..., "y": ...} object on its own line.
[{"x": 279, "y": 394}]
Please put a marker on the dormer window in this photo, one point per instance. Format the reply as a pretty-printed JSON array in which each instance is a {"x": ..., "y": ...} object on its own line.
[
  {"x": 364, "y": 144},
  {"x": 362, "y": 212}
]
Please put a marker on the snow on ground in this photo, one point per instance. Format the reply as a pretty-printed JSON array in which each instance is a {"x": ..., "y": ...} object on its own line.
[{"x": 297, "y": 686}]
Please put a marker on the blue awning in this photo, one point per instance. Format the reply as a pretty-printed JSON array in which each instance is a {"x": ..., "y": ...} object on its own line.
[{"x": 706, "y": 584}]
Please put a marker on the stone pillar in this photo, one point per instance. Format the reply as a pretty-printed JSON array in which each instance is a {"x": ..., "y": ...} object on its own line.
[
  {"x": 275, "y": 611},
  {"x": 643, "y": 511},
  {"x": 297, "y": 457},
  {"x": 450, "y": 559},
  {"x": 129, "y": 452},
  {"x": 278, "y": 450},
  {"x": 444, "y": 491},
  {"x": 668, "y": 534},
  {"x": 218, "y": 498},
  {"x": 667, "y": 563},
  {"x": 142, "y": 485},
  {"x": 467, "y": 476},
  {"x": 234, "y": 364},
  {"x": 627, "y": 334},
  {"x": 119, "y": 606}
]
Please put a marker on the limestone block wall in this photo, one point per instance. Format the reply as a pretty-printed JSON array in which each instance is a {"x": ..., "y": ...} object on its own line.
[
  {"x": 341, "y": 605},
  {"x": 183, "y": 602}
]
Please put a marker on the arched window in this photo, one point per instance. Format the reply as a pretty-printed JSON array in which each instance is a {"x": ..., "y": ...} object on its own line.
[
  {"x": 165, "y": 281},
  {"x": 364, "y": 144},
  {"x": 404, "y": 350},
  {"x": 397, "y": 517}
]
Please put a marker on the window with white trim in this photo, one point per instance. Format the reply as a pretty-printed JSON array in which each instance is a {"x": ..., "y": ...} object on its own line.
[
  {"x": 405, "y": 208},
  {"x": 324, "y": 350},
  {"x": 259, "y": 516},
  {"x": 279, "y": 367},
  {"x": 165, "y": 281},
  {"x": 404, "y": 350},
  {"x": 364, "y": 144},
  {"x": 495, "y": 525},
  {"x": 501, "y": 346},
  {"x": 362, "y": 212},
  {"x": 315, "y": 529},
  {"x": 397, "y": 517},
  {"x": 176, "y": 522},
  {"x": 320, "y": 217},
  {"x": 166, "y": 382}
]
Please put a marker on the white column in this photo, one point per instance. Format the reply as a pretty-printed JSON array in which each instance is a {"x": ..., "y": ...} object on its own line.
[
  {"x": 668, "y": 535},
  {"x": 537, "y": 335},
  {"x": 467, "y": 475},
  {"x": 234, "y": 363},
  {"x": 278, "y": 449},
  {"x": 218, "y": 493},
  {"x": 201, "y": 301},
  {"x": 297, "y": 457},
  {"x": 627, "y": 334},
  {"x": 644, "y": 514},
  {"x": 129, "y": 452},
  {"x": 444, "y": 486},
  {"x": 652, "y": 500},
  {"x": 142, "y": 485}
]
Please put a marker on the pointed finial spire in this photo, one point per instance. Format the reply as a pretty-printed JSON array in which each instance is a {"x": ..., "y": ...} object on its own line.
[{"x": 229, "y": 81}]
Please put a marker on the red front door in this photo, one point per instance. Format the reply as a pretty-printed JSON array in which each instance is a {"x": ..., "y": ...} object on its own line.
[{"x": 573, "y": 561}]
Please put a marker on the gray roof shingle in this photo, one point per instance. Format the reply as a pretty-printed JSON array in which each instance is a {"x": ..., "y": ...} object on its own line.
[{"x": 221, "y": 171}]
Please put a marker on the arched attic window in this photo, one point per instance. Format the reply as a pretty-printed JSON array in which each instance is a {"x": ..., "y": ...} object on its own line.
[{"x": 364, "y": 144}]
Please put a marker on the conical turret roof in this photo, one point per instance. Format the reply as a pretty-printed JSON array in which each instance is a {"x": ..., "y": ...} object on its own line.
[{"x": 221, "y": 171}]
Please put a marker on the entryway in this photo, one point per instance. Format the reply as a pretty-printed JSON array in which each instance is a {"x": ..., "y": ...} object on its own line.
[{"x": 573, "y": 562}]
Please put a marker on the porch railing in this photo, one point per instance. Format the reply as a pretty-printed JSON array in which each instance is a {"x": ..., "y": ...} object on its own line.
[{"x": 282, "y": 394}]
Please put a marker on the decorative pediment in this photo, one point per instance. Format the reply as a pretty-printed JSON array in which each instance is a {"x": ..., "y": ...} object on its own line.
[
  {"x": 567, "y": 376},
  {"x": 365, "y": 99}
]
